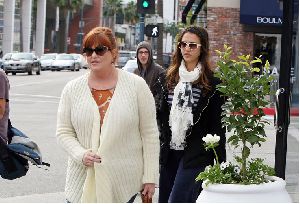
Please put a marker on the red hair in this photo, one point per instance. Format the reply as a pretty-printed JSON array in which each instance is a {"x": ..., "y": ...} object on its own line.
[{"x": 101, "y": 36}]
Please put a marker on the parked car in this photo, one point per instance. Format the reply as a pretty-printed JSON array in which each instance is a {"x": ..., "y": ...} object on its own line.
[
  {"x": 46, "y": 60},
  {"x": 80, "y": 60},
  {"x": 130, "y": 65},
  {"x": 5, "y": 58},
  {"x": 132, "y": 54},
  {"x": 124, "y": 56},
  {"x": 65, "y": 62},
  {"x": 21, "y": 62}
]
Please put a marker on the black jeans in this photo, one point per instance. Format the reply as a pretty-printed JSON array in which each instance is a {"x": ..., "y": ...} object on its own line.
[{"x": 176, "y": 184}]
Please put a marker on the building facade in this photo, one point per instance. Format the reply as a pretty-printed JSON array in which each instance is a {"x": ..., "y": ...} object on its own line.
[
  {"x": 38, "y": 26},
  {"x": 253, "y": 27},
  {"x": 16, "y": 33}
]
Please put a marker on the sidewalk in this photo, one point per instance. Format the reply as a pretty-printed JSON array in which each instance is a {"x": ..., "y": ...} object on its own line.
[{"x": 266, "y": 151}]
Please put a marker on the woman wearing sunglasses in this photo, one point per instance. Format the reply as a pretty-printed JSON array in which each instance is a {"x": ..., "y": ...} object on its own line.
[
  {"x": 107, "y": 124},
  {"x": 190, "y": 108}
]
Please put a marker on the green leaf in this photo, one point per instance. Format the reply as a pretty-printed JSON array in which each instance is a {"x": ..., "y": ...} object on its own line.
[
  {"x": 255, "y": 69},
  {"x": 242, "y": 113},
  {"x": 256, "y": 60},
  {"x": 252, "y": 139}
]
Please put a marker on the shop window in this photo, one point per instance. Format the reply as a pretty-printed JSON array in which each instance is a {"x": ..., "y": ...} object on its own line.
[{"x": 268, "y": 46}]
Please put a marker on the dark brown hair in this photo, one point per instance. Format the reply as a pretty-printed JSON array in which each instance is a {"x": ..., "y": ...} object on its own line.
[
  {"x": 101, "y": 36},
  {"x": 173, "y": 71}
]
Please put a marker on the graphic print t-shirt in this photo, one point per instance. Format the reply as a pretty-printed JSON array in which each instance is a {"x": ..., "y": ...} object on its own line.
[{"x": 102, "y": 98}]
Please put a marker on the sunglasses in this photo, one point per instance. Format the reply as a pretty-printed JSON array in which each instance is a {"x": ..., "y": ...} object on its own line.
[
  {"x": 191, "y": 45},
  {"x": 100, "y": 50}
]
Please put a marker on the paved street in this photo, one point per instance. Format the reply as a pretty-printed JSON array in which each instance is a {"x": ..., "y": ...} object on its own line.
[{"x": 34, "y": 101}]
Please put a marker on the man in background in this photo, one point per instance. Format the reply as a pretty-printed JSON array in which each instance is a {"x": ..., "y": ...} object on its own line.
[{"x": 147, "y": 68}]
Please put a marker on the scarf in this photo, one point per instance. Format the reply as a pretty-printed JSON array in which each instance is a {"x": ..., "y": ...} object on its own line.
[{"x": 181, "y": 117}]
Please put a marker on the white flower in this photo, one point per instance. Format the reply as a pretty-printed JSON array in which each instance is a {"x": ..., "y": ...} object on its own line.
[
  {"x": 224, "y": 165},
  {"x": 236, "y": 170},
  {"x": 211, "y": 139},
  {"x": 207, "y": 168}
]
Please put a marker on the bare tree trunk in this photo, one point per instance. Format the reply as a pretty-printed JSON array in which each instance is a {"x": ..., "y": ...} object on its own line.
[
  {"x": 66, "y": 32},
  {"x": 160, "y": 37},
  {"x": 21, "y": 28},
  {"x": 114, "y": 23},
  {"x": 110, "y": 22}
]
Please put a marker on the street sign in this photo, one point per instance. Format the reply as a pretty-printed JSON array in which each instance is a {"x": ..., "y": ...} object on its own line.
[
  {"x": 152, "y": 31},
  {"x": 81, "y": 24}
]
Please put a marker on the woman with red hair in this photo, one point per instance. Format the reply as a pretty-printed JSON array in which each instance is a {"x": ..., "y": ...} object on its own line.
[{"x": 107, "y": 124}]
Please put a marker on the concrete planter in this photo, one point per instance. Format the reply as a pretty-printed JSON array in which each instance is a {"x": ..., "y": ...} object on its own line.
[{"x": 272, "y": 192}]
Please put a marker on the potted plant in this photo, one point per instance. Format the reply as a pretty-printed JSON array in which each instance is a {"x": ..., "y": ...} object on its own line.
[{"x": 245, "y": 179}]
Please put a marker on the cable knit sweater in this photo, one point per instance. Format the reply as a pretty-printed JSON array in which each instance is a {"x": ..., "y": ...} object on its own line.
[{"x": 127, "y": 142}]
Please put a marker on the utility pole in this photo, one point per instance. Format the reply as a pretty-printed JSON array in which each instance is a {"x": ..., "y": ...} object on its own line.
[
  {"x": 56, "y": 36},
  {"x": 142, "y": 27},
  {"x": 283, "y": 93},
  {"x": 81, "y": 24}
]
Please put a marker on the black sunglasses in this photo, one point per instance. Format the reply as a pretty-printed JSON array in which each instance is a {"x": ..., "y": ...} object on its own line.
[
  {"x": 100, "y": 50},
  {"x": 191, "y": 45}
]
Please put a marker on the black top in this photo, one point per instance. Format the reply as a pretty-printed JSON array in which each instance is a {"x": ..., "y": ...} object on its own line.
[{"x": 207, "y": 120}]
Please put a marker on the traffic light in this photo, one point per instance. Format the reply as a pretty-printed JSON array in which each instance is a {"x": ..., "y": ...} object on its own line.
[
  {"x": 152, "y": 31},
  {"x": 146, "y": 6}
]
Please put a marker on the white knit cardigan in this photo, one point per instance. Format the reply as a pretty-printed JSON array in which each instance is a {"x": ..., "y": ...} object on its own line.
[{"x": 128, "y": 141}]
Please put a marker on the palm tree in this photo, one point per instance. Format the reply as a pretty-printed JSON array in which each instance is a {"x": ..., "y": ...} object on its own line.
[
  {"x": 67, "y": 6},
  {"x": 130, "y": 13},
  {"x": 111, "y": 7},
  {"x": 131, "y": 17}
]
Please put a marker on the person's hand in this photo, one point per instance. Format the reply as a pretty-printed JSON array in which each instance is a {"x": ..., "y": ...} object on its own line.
[
  {"x": 89, "y": 158},
  {"x": 149, "y": 190}
]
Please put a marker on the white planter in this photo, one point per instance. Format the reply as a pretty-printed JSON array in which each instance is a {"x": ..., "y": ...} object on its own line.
[{"x": 272, "y": 192}]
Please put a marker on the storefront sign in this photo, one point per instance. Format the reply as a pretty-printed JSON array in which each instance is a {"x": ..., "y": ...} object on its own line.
[
  {"x": 268, "y": 20},
  {"x": 258, "y": 12}
]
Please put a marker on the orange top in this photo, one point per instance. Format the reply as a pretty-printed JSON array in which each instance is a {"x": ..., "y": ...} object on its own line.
[{"x": 102, "y": 98}]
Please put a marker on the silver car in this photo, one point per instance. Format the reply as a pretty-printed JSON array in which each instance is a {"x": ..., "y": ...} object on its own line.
[
  {"x": 130, "y": 65},
  {"x": 46, "y": 60},
  {"x": 21, "y": 62},
  {"x": 65, "y": 62},
  {"x": 80, "y": 60},
  {"x": 124, "y": 56}
]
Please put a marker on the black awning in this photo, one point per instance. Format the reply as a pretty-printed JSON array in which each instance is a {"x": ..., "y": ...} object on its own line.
[{"x": 258, "y": 12}]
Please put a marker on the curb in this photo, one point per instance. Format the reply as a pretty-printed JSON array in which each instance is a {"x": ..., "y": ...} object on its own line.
[{"x": 271, "y": 111}]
